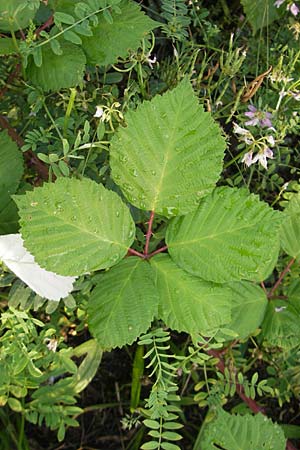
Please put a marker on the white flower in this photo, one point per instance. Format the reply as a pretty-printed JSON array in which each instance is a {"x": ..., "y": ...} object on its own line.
[
  {"x": 239, "y": 130},
  {"x": 271, "y": 140},
  {"x": 99, "y": 112},
  {"x": 261, "y": 157},
  {"x": 52, "y": 344},
  {"x": 151, "y": 61},
  {"x": 246, "y": 135},
  {"x": 247, "y": 158},
  {"x": 21, "y": 262}
]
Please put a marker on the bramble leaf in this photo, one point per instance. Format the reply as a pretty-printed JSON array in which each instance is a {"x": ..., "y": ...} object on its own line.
[
  {"x": 249, "y": 304},
  {"x": 58, "y": 70},
  {"x": 113, "y": 40},
  {"x": 280, "y": 327},
  {"x": 16, "y": 14},
  {"x": 75, "y": 226},
  {"x": 11, "y": 165},
  {"x": 227, "y": 238},
  {"x": 260, "y": 13},
  {"x": 170, "y": 154},
  {"x": 187, "y": 303},
  {"x": 123, "y": 304},
  {"x": 290, "y": 229},
  {"x": 7, "y": 46},
  {"x": 11, "y": 171},
  {"x": 247, "y": 432}
]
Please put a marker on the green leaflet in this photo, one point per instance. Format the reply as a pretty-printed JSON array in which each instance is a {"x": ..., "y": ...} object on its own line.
[
  {"x": 227, "y": 238},
  {"x": 58, "y": 71},
  {"x": 11, "y": 171},
  {"x": 75, "y": 226},
  {"x": 249, "y": 304},
  {"x": 290, "y": 229},
  {"x": 247, "y": 432},
  {"x": 169, "y": 155},
  {"x": 260, "y": 13},
  {"x": 123, "y": 304},
  {"x": 280, "y": 327},
  {"x": 187, "y": 303},
  {"x": 16, "y": 14},
  {"x": 113, "y": 40}
]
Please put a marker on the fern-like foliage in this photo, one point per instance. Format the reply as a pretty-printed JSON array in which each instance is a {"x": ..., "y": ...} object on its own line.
[
  {"x": 160, "y": 404},
  {"x": 175, "y": 12}
]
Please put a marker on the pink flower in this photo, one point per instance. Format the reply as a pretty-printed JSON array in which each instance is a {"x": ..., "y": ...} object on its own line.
[
  {"x": 294, "y": 9},
  {"x": 260, "y": 118}
]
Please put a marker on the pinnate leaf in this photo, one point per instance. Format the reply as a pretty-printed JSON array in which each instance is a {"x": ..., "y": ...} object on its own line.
[
  {"x": 187, "y": 303},
  {"x": 227, "y": 238},
  {"x": 75, "y": 226},
  {"x": 123, "y": 304},
  {"x": 170, "y": 154}
]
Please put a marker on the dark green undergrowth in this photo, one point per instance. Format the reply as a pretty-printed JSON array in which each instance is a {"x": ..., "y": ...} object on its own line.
[{"x": 149, "y": 225}]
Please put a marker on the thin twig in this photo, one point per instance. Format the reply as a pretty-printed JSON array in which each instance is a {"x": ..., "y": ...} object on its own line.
[
  {"x": 149, "y": 233},
  {"x": 159, "y": 250},
  {"x": 131, "y": 251},
  {"x": 45, "y": 25},
  {"x": 281, "y": 276},
  {"x": 264, "y": 288}
]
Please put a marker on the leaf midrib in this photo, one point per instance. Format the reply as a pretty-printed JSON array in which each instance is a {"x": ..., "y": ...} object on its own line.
[
  {"x": 211, "y": 236},
  {"x": 167, "y": 155}
]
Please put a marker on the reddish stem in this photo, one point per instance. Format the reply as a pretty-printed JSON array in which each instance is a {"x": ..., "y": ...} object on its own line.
[
  {"x": 255, "y": 407},
  {"x": 281, "y": 276},
  {"x": 159, "y": 250},
  {"x": 149, "y": 233},
  {"x": 131, "y": 251},
  {"x": 264, "y": 288},
  {"x": 240, "y": 390},
  {"x": 45, "y": 25}
]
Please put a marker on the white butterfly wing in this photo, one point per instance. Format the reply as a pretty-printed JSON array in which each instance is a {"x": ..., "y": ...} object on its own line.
[{"x": 21, "y": 262}]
